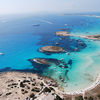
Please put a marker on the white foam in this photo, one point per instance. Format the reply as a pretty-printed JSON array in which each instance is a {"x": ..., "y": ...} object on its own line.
[{"x": 46, "y": 21}]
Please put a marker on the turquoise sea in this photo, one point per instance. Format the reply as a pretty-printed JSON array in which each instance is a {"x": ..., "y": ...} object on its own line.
[{"x": 22, "y": 36}]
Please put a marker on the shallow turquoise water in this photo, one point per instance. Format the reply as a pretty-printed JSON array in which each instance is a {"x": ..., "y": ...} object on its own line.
[{"x": 20, "y": 41}]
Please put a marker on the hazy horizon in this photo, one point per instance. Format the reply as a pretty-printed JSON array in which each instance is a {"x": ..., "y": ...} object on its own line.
[{"x": 48, "y": 6}]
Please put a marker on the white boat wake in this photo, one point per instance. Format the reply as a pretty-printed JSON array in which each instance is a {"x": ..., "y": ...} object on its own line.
[{"x": 45, "y": 21}]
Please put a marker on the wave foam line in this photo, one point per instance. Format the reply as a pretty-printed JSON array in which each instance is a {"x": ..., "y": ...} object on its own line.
[{"x": 45, "y": 21}]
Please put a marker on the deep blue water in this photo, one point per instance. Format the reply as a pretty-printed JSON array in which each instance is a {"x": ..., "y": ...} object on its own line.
[{"x": 20, "y": 41}]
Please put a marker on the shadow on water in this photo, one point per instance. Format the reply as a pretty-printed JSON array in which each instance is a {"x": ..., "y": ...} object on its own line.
[
  {"x": 68, "y": 44},
  {"x": 9, "y": 69}
]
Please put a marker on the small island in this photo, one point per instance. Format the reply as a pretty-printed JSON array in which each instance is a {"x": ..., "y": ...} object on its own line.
[
  {"x": 62, "y": 33},
  {"x": 97, "y": 37},
  {"x": 93, "y": 37},
  {"x": 51, "y": 49}
]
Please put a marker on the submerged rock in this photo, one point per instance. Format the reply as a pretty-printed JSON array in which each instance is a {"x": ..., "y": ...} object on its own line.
[
  {"x": 51, "y": 49},
  {"x": 44, "y": 61}
]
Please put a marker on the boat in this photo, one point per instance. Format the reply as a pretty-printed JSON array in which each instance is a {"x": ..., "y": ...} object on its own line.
[
  {"x": 62, "y": 59},
  {"x": 36, "y": 25},
  {"x": 1, "y": 53},
  {"x": 57, "y": 43}
]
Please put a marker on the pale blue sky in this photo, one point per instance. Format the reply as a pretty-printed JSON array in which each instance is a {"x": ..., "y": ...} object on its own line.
[{"x": 48, "y": 6}]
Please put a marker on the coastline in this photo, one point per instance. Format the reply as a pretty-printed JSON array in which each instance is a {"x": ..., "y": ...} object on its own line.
[
  {"x": 92, "y": 91},
  {"x": 6, "y": 77},
  {"x": 91, "y": 37},
  {"x": 15, "y": 85}
]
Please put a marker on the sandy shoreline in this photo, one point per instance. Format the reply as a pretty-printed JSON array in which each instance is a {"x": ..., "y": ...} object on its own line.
[
  {"x": 11, "y": 89},
  {"x": 91, "y": 91},
  {"x": 91, "y": 37},
  {"x": 65, "y": 34}
]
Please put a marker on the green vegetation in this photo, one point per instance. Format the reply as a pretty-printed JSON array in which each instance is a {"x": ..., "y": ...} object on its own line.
[
  {"x": 85, "y": 98},
  {"x": 36, "y": 89},
  {"x": 79, "y": 98},
  {"x": 8, "y": 93},
  {"x": 22, "y": 85},
  {"x": 90, "y": 98},
  {"x": 51, "y": 88},
  {"x": 46, "y": 90},
  {"x": 41, "y": 84},
  {"x": 99, "y": 96},
  {"x": 58, "y": 98},
  {"x": 32, "y": 96}
]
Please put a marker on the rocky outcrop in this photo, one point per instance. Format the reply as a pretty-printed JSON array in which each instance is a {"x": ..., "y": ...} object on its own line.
[
  {"x": 46, "y": 62},
  {"x": 40, "y": 61}
]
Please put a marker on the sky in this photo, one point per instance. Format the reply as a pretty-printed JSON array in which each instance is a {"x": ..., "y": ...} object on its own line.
[{"x": 48, "y": 6}]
